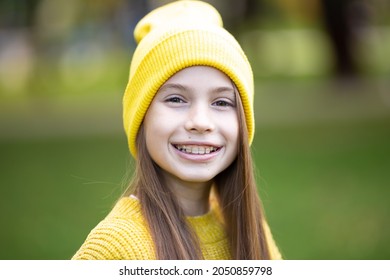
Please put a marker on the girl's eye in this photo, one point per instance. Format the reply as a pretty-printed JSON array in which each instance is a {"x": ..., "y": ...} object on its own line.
[
  {"x": 223, "y": 103},
  {"x": 174, "y": 100}
]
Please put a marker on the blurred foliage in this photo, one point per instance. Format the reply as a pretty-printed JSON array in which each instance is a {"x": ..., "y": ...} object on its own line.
[
  {"x": 83, "y": 47},
  {"x": 321, "y": 143}
]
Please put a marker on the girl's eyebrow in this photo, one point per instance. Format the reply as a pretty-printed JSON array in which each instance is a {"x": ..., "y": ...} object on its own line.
[
  {"x": 223, "y": 90},
  {"x": 173, "y": 86}
]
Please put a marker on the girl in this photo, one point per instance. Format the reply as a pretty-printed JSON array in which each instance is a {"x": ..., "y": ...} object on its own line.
[{"x": 188, "y": 116}]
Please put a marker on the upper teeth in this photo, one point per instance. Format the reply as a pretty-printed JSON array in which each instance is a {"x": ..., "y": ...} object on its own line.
[{"x": 195, "y": 149}]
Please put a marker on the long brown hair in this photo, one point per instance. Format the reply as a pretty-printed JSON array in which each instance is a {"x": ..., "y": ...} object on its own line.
[{"x": 236, "y": 193}]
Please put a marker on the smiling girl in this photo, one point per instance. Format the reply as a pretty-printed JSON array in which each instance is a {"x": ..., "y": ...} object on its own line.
[{"x": 188, "y": 116}]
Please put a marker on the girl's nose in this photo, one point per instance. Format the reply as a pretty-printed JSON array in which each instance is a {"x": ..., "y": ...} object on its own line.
[{"x": 199, "y": 120}]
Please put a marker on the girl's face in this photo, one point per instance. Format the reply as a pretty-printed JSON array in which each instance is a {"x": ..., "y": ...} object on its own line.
[{"x": 191, "y": 126}]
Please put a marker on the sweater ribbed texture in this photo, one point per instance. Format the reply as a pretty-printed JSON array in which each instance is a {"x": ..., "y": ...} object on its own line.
[{"x": 124, "y": 235}]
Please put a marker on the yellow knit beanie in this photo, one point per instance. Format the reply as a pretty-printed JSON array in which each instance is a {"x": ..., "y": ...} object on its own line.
[{"x": 175, "y": 36}]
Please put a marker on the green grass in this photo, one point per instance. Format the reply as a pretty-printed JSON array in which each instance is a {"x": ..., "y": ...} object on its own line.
[
  {"x": 54, "y": 191},
  {"x": 325, "y": 190}
]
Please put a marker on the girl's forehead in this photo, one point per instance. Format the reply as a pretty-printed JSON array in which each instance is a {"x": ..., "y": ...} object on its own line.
[{"x": 200, "y": 76}]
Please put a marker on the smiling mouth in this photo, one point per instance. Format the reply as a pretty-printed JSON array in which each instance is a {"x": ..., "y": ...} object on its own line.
[{"x": 196, "y": 149}]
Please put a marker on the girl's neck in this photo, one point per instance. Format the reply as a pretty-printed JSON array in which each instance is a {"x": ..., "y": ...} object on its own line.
[{"x": 193, "y": 197}]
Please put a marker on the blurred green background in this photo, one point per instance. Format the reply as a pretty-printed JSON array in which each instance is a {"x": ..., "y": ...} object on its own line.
[{"x": 322, "y": 110}]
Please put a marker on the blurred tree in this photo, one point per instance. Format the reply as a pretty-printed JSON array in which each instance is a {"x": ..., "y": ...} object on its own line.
[
  {"x": 250, "y": 11},
  {"x": 341, "y": 19},
  {"x": 17, "y": 14}
]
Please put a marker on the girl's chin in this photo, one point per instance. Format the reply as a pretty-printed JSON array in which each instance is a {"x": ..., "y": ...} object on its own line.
[{"x": 197, "y": 178}]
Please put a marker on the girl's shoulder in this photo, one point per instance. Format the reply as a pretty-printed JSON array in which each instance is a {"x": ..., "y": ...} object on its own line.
[
  {"x": 126, "y": 208},
  {"x": 126, "y": 216},
  {"x": 123, "y": 234}
]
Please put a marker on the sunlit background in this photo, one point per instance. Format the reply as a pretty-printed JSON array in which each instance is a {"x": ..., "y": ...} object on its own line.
[{"x": 322, "y": 105}]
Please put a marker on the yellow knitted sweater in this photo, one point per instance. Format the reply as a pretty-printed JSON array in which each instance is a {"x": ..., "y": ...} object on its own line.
[{"x": 124, "y": 234}]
